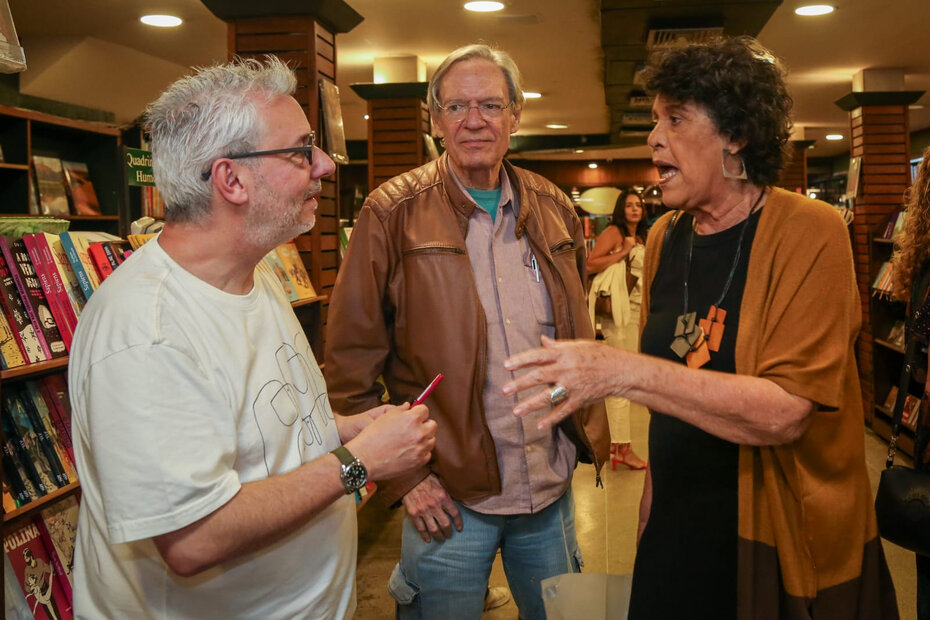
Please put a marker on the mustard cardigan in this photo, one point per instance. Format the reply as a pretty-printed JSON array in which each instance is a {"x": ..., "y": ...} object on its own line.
[{"x": 808, "y": 541}]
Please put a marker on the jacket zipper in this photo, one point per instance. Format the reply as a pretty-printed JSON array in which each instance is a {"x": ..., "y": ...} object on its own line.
[{"x": 420, "y": 249}]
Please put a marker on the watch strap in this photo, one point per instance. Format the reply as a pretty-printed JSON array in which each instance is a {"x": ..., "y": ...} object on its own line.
[{"x": 345, "y": 457}]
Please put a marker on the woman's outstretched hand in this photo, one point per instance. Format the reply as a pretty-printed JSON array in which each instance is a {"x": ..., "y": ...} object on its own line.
[{"x": 589, "y": 371}]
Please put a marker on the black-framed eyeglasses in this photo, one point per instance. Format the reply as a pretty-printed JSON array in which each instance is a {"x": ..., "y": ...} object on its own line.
[{"x": 307, "y": 150}]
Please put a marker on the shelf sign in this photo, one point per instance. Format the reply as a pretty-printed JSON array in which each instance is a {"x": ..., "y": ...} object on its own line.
[{"x": 139, "y": 167}]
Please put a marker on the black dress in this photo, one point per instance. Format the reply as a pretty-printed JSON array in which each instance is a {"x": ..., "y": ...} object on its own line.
[{"x": 686, "y": 562}]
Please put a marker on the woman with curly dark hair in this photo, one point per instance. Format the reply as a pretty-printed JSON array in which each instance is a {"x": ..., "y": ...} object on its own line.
[
  {"x": 911, "y": 283},
  {"x": 757, "y": 502}
]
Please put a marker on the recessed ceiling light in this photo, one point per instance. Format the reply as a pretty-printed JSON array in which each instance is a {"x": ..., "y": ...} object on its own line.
[
  {"x": 161, "y": 21},
  {"x": 528, "y": 94},
  {"x": 834, "y": 136},
  {"x": 592, "y": 165},
  {"x": 579, "y": 150},
  {"x": 810, "y": 10},
  {"x": 556, "y": 126},
  {"x": 366, "y": 117},
  {"x": 484, "y": 6}
]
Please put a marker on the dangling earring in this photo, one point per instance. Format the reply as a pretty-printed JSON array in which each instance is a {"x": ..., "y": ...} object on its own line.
[
  {"x": 741, "y": 175},
  {"x": 442, "y": 142}
]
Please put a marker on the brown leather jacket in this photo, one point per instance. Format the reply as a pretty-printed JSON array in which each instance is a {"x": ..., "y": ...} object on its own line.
[{"x": 405, "y": 306}]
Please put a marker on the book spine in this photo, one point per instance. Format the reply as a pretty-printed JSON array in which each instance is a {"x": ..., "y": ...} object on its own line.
[
  {"x": 15, "y": 308},
  {"x": 99, "y": 258},
  {"x": 60, "y": 576},
  {"x": 60, "y": 439},
  {"x": 82, "y": 245},
  {"x": 30, "y": 289},
  {"x": 113, "y": 254},
  {"x": 12, "y": 473},
  {"x": 65, "y": 271},
  {"x": 40, "y": 580},
  {"x": 22, "y": 470},
  {"x": 60, "y": 418},
  {"x": 58, "y": 283},
  {"x": 21, "y": 453},
  {"x": 46, "y": 443},
  {"x": 9, "y": 347},
  {"x": 76, "y": 264},
  {"x": 48, "y": 289}
]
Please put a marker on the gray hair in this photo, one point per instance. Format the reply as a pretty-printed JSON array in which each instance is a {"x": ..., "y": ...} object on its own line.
[
  {"x": 469, "y": 52},
  {"x": 206, "y": 115}
]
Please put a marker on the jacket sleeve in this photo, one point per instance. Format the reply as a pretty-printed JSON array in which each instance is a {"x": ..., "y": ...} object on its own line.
[{"x": 358, "y": 338}]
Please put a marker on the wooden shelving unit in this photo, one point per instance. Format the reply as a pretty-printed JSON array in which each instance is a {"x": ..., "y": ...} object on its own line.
[
  {"x": 887, "y": 357},
  {"x": 42, "y": 502},
  {"x": 25, "y": 133}
]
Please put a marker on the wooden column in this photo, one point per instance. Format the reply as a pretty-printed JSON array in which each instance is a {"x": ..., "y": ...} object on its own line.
[
  {"x": 398, "y": 120},
  {"x": 794, "y": 175},
  {"x": 304, "y": 36},
  {"x": 880, "y": 137}
]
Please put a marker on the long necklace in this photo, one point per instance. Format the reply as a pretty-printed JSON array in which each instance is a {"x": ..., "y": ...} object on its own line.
[{"x": 694, "y": 339}]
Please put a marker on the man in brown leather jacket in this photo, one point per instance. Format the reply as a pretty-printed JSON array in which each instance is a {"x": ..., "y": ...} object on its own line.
[{"x": 453, "y": 267}]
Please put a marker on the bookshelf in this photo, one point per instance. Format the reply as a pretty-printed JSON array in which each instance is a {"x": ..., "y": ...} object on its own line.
[
  {"x": 14, "y": 518},
  {"x": 887, "y": 353},
  {"x": 25, "y": 133}
]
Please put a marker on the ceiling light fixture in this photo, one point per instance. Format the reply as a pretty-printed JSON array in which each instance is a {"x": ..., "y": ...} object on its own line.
[
  {"x": 161, "y": 21},
  {"x": 579, "y": 150},
  {"x": 592, "y": 165},
  {"x": 366, "y": 117},
  {"x": 528, "y": 94},
  {"x": 484, "y": 6},
  {"x": 556, "y": 126},
  {"x": 834, "y": 136},
  {"x": 810, "y": 10}
]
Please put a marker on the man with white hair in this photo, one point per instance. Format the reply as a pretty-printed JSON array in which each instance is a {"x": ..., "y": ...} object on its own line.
[
  {"x": 452, "y": 267},
  {"x": 217, "y": 481}
]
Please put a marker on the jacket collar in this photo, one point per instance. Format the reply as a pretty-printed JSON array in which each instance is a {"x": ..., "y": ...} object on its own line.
[{"x": 463, "y": 204}]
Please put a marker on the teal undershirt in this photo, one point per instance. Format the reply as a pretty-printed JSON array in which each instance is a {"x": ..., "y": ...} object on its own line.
[{"x": 487, "y": 199}]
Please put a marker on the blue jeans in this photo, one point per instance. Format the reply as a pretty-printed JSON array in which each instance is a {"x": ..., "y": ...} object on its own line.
[{"x": 448, "y": 579}]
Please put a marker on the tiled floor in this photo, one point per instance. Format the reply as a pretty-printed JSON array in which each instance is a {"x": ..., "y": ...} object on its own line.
[{"x": 606, "y": 523}]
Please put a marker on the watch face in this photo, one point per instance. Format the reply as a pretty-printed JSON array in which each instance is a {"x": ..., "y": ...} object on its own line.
[{"x": 355, "y": 476}]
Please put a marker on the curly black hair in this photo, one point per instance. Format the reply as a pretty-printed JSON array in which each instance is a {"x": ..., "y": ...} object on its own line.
[
  {"x": 618, "y": 218},
  {"x": 742, "y": 87}
]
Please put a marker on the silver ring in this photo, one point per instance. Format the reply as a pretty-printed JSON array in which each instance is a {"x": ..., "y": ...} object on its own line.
[{"x": 557, "y": 395}]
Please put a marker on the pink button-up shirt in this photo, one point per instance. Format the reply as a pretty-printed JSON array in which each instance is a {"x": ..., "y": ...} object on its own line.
[{"x": 536, "y": 466}]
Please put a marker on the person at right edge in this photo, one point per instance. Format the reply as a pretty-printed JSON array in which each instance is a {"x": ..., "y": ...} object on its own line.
[
  {"x": 911, "y": 282},
  {"x": 757, "y": 502}
]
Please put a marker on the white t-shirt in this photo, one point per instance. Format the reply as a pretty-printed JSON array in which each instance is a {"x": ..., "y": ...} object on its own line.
[{"x": 180, "y": 394}]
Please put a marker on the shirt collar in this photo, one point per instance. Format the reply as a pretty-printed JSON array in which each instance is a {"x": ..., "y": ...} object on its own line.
[{"x": 506, "y": 188}]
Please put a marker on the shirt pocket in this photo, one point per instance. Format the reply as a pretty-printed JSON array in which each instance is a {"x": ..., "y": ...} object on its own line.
[{"x": 536, "y": 290}]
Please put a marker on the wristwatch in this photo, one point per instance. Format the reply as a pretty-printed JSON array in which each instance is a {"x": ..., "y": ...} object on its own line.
[{"x": 353, "y": 475}]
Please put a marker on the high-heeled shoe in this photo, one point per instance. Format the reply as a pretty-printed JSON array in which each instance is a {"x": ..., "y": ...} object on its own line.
[{"x": 621, "y": 453}]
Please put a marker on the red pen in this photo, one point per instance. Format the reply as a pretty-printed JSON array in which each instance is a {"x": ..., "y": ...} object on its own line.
[{"x": 429, "y": 389}]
